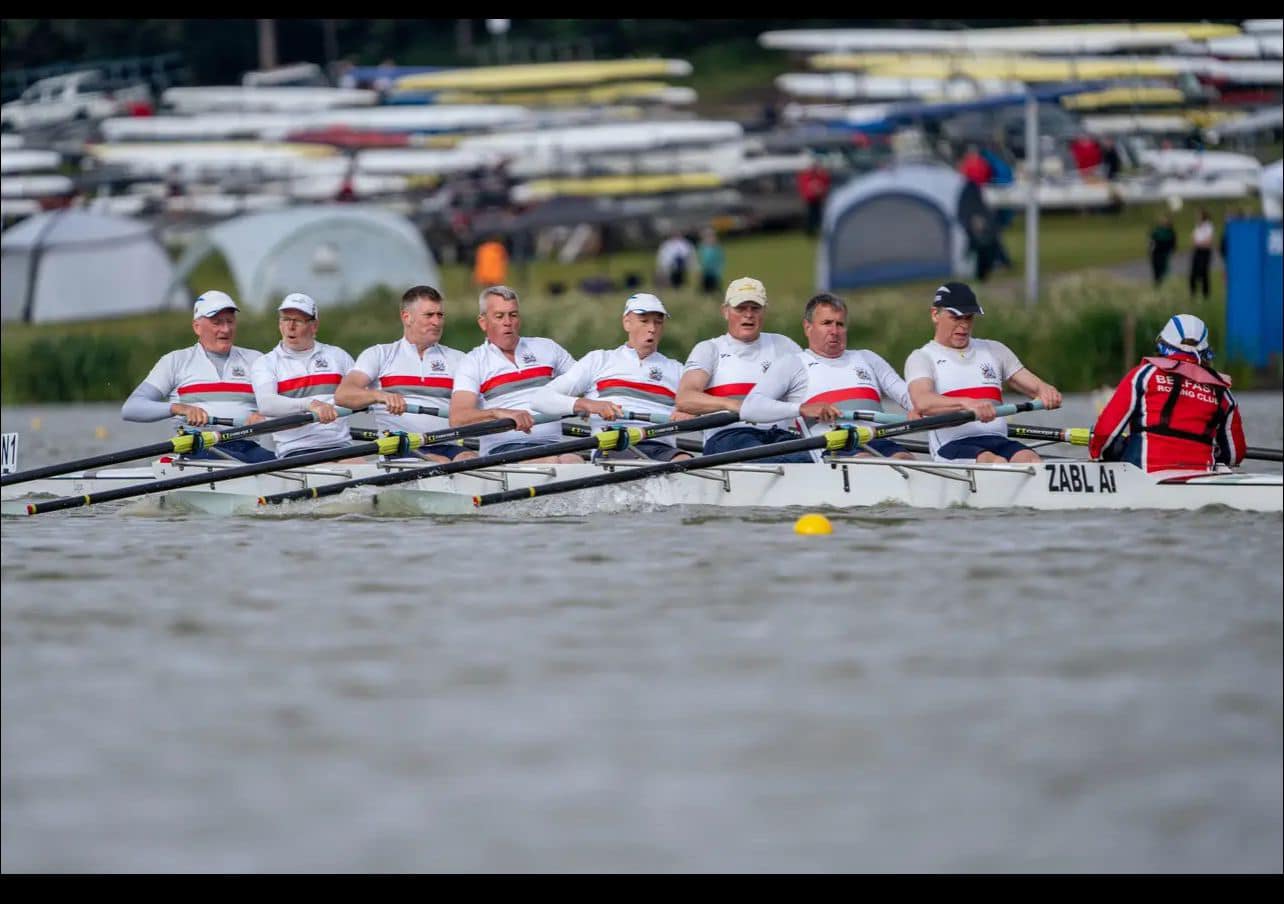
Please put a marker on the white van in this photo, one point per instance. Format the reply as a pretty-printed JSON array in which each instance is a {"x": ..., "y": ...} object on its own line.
[{"x": 63, "y": 98}]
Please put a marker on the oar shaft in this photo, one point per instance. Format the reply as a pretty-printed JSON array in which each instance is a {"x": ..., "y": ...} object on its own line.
[
  {"x": 191, "y": 480},
  {"x": 716, "y": 419},
  {"x": 179, "y": 443},
  {"x": 1262, "y": 454},
  {"x": 949, "y": 419},
  {"x": 670, "y": 467}
]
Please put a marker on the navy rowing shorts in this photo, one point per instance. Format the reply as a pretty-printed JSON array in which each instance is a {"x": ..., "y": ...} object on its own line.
[{"x": 969, "y": 447}]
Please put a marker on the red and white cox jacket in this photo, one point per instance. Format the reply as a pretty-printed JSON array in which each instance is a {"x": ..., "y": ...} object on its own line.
[{"x": 1179, "y": 415}]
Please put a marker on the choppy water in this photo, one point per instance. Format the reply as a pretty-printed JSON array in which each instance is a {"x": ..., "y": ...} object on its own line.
[{"x": 682, "y": 690}]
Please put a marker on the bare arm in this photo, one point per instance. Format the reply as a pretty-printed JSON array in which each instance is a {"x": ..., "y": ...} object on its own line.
[
  {"x": 1025, "y": 380},
  {"x": 927, "y": 401},
  {"x": 694, "y": 400},
  {"x": 354, "y": 392},
  {"x": 464, "y": 411}
]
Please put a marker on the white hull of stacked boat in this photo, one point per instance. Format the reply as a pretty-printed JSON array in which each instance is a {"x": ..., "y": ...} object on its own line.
[{"x": 840, "y": 483}]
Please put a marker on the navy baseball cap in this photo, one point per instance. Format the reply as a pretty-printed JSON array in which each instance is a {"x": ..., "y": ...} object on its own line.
[{"x": 957, "y": 298}]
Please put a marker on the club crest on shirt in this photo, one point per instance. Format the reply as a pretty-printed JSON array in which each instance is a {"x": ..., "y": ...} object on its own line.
[
  {"x": 988, "y": 372},
  {"x": 437, "y": 366},
  {"x": 238, "y": 371},
  {"x": 766, "y": 365},
  {"x": 863, "y": 375},
  {"x": 528, "y": 358},
  {"x": 656, "y": 374},
  {"x": 320, "y": 363}
]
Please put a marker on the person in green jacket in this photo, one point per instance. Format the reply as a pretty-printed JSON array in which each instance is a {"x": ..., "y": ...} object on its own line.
[{"x": 712, "y": 261}]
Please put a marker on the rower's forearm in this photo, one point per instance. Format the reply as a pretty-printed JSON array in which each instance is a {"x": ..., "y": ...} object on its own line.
[
  {"x": 547, "y": 401},
  {"x": 144, "y": 410},
  {"x": 703, "y": 403},
  {"x": 759, "y": 409},
  {"x": 356, "y": 399},
  {"x": 467, "y": 417}
]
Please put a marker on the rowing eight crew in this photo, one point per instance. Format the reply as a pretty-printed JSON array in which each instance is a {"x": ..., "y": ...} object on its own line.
[{"x": 775, "y": 386}]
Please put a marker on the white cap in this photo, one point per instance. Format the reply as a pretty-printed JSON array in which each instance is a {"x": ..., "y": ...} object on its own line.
[
  {"x": 211, "y": 302},
  {"x": 746, "y": 288},
  {"x": 297, "y": 301},
  {"x": 1185, "y": 332},
  {"x": 644, "y": 303}
]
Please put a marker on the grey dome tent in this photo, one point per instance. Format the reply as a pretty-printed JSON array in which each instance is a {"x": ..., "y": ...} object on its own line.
[
  {"x": 903, "y": 223},
  {"x": 333, "y": 252},
  {"x": 71, "y": 264}
]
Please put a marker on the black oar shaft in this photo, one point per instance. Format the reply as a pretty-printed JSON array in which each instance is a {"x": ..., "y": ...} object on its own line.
[
  {"x": 717, "y": 419},
  {"x": 1262, "y": 454},
  {"x": 161, "y": 448},
  {"x": 668, "y": 467},
  {"x": 191, "y": 480}
]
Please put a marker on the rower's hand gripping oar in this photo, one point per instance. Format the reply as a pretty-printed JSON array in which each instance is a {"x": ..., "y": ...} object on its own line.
[
  {"x": 190, "y": 441},
  {"x": 607, "y": 440},
  {"x": 842, "y": 439}
]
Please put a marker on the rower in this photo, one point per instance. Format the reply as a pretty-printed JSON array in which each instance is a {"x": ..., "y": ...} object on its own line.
[
  {"x": 301, "y": 374},
  {"x": 208, "y": 379},
  {"x": 956, "y": 372},
  {"x": 634, "y": 375},
  {"x": 508, "y": 368},
  {"x": 809, "y": 387},
  {"x": 417, "y": 369},
  {"x": 1178, "y": 412},
  {"x": 720, "y": 372}
]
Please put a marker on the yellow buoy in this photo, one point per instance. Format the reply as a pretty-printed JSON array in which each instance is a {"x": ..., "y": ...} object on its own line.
[
  {"x": 36, "y": 423},
  {"x": 813, "y": 524},
  {"x": 100, "y": 432}
]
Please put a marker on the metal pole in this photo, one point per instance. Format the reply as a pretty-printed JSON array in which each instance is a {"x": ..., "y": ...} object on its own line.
[
  {"x": 1032, "y": 197},
  {"x": 267, "y": 43}
]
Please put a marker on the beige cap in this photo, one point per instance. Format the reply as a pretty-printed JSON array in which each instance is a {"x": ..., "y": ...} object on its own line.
[{"x": 746, "y": 288}]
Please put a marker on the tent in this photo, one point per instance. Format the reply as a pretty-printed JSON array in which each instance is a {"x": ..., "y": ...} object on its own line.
[
  {"x": 904, "y": 223},
  {"x": 71, "y": 264},
  {"x": 334, "y": 252}
]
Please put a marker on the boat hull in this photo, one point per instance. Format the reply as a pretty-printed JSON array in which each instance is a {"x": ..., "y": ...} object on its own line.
[{"x": 839, "y": 483}]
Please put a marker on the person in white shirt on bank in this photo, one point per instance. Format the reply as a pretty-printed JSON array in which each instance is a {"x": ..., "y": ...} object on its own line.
[
  {"x": 301, "y": 374},
  {"x": 499, "y": 378},
  {"x": 812, "y": 386},
  {"x": 633, "y": 376},
  {"x": 208, "y": 379},
  {"x": 956, "y": 372},
  {"x": 719, "y": 373},
  {"x": 417, "y": 369}
]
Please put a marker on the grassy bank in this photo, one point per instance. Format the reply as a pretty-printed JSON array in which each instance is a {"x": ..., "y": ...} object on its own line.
[{"x": 1076, "y": 336}]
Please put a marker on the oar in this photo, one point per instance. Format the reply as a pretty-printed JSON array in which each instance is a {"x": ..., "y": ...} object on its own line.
[
  {"x": 184, "y": 443},
  {"x": 605, "y": 440},
  {"x": 392, "y": 444},
  {"x": 842, "y": 439},
  {"x": 883, "y": 417},
  {"x": 1074, "y": 436},
  {"x": 1081, "y": 436}
]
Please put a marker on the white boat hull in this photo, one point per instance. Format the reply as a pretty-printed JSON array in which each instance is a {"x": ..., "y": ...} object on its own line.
[{"x": 841, "y": 483}]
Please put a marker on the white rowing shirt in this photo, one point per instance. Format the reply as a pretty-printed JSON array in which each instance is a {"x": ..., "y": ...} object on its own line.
[
  {"x": 287, "y": 382},
  {"x": 975, "y": 372},
  {"x": 426, "y": 379},
  {"x": 735, "y": 367},
  {"x": 190, "y": 377},
  {"x": 856, "y": 379},
  {"x": 616, "y": 375},
  {"x": 500, "y": 383}
]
